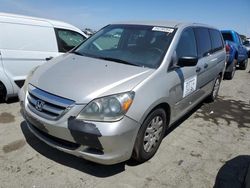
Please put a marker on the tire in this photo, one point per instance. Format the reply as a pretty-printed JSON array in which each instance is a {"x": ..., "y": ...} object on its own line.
[
  {"x": 243, "y": 64},
  {"x": 230, "y": 75},
  {"x": 2, "y": 92},
  {"x": 150, "y": 135},
  {"x": 215, "y": 90}
]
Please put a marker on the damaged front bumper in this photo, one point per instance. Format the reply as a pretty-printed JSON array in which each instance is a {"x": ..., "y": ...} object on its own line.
[{"x": 100, "y": 142}]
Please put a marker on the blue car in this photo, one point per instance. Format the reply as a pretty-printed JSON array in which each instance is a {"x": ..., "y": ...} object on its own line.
[{"x": 236, "y": 52}]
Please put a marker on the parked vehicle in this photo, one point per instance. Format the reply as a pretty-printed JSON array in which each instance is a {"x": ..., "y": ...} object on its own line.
[
  {"x": 27, "y": 42},
  {"x": 237, "y": 53},
  {"x": 246, "y": 43},
  {"x": 114, "y": 97}
]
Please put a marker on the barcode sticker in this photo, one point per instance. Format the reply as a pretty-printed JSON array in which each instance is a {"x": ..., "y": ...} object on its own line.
[{"x": 189, "y": 86}]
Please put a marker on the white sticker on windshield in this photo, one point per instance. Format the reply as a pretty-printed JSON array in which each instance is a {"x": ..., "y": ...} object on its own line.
[
  {"x": 163, "y": 29},
  {"x": 189, "y": 86}
]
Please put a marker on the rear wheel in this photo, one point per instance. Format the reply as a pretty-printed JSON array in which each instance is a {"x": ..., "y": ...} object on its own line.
[
  {"x": 230, "y": 75},
  {"x": 2, "y": 92},
  {"x": 215, "y": 90},
  {"x": 243, "y": 65},
  {"x": 150, "y": 135}
]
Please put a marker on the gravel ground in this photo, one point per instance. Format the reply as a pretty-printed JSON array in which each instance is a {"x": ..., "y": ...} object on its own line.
[{"x": 190, "y": 155}]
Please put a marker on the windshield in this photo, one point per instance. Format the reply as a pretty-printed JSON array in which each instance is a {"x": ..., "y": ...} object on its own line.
[{"x": 136, "y": 45}]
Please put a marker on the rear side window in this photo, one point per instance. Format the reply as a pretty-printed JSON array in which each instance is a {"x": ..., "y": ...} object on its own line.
[
  {"x": 27, "y": 37},
  {"x": 217, "y": 43},
  {"x": 203, "y": 41},
  {"x": 68, "y": 39},
  {"x": 227, "y": 36},
  {"x": 187, "y": 44}
]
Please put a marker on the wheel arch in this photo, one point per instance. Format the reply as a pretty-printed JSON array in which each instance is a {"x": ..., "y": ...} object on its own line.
[{"x": 164, "y": 105}]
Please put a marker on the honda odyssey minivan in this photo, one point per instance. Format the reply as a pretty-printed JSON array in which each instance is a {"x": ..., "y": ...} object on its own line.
[{"x": 114, "y": 96}]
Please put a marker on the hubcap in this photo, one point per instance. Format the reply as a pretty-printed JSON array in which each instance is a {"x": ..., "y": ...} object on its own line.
[
  {"x": 153, "y": 133},
  {"x": 216, "y": 87}
]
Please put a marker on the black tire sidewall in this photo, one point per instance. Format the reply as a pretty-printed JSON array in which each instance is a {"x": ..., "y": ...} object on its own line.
[
  {"x": 2, "y": 92},
  {"x": 243, "y": 65},
  {"x": 139, "y": 153},
  {"x": 211, "y": 97}
]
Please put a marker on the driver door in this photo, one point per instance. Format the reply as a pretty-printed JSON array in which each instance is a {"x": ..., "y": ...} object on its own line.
[{"x": 188, "y": 89}]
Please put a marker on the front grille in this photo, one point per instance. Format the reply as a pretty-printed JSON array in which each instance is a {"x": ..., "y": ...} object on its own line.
[{"x": 47, "y": 105}]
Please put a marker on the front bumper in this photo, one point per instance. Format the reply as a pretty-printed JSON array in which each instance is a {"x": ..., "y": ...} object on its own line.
[{"x": 100, "y": 142}]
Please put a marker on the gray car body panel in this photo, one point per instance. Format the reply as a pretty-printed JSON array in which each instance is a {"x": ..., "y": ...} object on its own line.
[
  {"x": 66, "y": 77},
  {"x": 71, "y": 72}
]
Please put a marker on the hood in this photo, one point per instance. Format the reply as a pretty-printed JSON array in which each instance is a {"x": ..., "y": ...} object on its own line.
[{"x": 83, "y": 79}]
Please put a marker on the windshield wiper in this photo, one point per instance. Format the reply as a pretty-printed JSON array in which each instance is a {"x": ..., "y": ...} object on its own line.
[
  {"x": 77, "y": 53},
  {"x": 118, "y": 61},
  {"x": 105, "y": 58}
]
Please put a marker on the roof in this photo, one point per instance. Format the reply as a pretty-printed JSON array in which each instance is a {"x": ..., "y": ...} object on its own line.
[
  {"x": 174, "y": 24},
  {"x": 55, "y": 23}
]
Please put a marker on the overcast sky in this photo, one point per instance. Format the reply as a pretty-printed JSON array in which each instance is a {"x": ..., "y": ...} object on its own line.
[{"x": 224, "y": 14}]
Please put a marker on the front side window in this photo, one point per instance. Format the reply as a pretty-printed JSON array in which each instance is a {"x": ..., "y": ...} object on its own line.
[
  {"x": 137, "y": 45},
  {"x": 203, "y": 41},
  {"x": 187, "y": 44},
  {"x": 68, "y": 39}
]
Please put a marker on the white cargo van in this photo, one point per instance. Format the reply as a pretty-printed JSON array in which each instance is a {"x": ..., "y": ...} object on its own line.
[{"x": 27, "y": 42}]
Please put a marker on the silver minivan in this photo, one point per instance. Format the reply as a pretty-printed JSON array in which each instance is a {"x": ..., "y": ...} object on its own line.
[{"x": 114, "y": 96}]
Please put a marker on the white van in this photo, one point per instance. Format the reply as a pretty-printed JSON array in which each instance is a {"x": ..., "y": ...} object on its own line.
[{"x": 27, "y": 42}]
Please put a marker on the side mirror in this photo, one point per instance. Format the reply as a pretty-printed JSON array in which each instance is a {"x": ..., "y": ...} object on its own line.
[{"x": 187, "y": 61}]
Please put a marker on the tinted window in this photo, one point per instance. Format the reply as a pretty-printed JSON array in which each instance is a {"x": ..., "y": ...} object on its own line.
[
  {"x": 203, "y": 41},
  {"x": 68, "y": 39},
  {"x": 187, "y": 44},
  {"x": 216, "y": 40},
  {"x": 227, "y": 36}
]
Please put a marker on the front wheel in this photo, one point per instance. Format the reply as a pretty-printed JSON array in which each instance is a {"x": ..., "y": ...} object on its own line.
[
  {"x": 215, "y": 90},
  {"x": 150, "y": 135}
]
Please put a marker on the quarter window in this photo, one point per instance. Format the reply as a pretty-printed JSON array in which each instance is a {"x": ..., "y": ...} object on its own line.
[
  {"x": 203, "y": 41},
  {"x": 68, "y": 39}
]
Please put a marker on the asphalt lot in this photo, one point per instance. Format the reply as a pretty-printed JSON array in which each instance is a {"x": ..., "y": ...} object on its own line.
[{"x": 190, "y": 155}]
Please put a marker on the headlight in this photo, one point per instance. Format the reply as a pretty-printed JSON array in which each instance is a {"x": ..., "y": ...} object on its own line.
[{"x": 110, "y": 108}]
